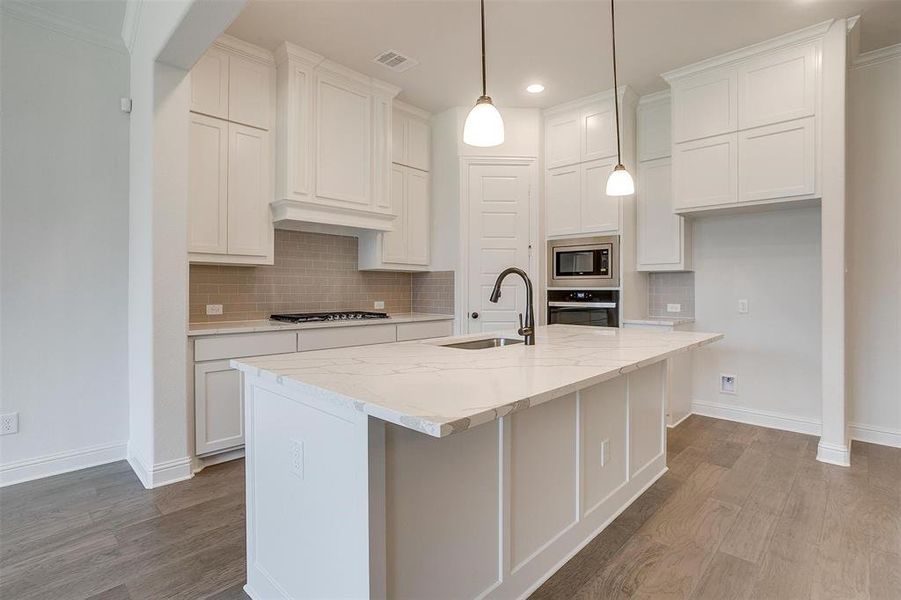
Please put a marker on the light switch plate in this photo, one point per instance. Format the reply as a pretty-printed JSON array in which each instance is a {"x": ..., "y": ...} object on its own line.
[
  {"x": 297, "y": 458},
  {"x": 728, "y": 384},
  {"x": 743, "y": 307},
  {"x": 9, "y": 423},
  {"x": 214, "y": 309},
  {"x": 673, "y": 308},
  {"x": 378, "y": 304},
  {"x": 605, "y": 452}
]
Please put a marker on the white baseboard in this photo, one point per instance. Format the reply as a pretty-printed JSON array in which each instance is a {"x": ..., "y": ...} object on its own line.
[
  {"x": 202, "y": 462},
  {"x": 763, "y": 418},
  {"x": 163, "y": 473},
  {"x": 875, "y": 435},
  {"x": 833, "y": 454},
  {"x": 677, "y": 423},
  {"x": 61, "y": 462}
]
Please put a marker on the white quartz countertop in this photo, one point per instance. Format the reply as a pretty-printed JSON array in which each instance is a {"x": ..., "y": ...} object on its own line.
[
  {"x": 437, "y": 390},
  {"x": 671, "y": 321},
  {"x": 223, "y": 327}
]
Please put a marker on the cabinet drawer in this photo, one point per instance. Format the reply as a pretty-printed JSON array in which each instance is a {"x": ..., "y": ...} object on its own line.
[
  {"x": 341, "y": 337},
  {"x": 245, "y": 344},
  {"x": 423, "y": 330}
]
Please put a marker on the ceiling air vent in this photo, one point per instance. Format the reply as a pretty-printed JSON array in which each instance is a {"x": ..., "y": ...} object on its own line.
[{"x": 395, "y": 61}]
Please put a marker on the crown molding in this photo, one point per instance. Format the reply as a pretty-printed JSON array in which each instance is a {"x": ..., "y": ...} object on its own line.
[
  {"x": 413, "y": 110},
  {"x": 287, "y": 51},
  {"x": 814, "y": 32},
  {"x": 661, "y": 96},
  {"x": 626, "y": 94},
  {"x": 875, "y": 57},
  {"x": 30, "y": 12},
  {"x": 244, "y": 49},
  {"x": 130, "y": 23},
  {"x": 851, "y": 22}
]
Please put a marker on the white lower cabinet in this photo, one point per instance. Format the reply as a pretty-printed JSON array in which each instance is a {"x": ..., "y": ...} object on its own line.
[
  {"x": 678, "y": 373},
  {"x": 218, "y": 390}
]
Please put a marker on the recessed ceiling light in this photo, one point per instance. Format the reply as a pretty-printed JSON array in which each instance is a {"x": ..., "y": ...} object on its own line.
[{"x": 535, "y": 88}]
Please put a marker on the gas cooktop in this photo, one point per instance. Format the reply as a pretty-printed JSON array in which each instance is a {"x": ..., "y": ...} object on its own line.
[{"x": 340, "y": 315}]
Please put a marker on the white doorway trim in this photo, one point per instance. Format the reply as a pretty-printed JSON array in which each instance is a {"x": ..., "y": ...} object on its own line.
[{"x": 462, "y": 300}]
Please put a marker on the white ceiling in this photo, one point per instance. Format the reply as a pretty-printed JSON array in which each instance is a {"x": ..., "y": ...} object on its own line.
[{"x": 563, "y": 44}]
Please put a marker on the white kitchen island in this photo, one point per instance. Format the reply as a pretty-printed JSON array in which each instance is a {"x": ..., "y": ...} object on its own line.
[{"x": 416, "y": 470}]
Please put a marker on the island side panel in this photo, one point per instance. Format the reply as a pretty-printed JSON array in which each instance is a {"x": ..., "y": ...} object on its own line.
[
  {"x": 494, "y": 511},
  {"x": 307, "y": 478}
]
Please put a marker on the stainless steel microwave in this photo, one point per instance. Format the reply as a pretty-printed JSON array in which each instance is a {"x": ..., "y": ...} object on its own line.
[{"x": 587, "y": 262}]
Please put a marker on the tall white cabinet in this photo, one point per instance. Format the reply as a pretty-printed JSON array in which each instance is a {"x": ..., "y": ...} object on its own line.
[
  {"x": 662, "y": 236},
  {"x": 746, "y": 125},
  {"x": 406, "y": 246},
  {"x": 230, "y": 169}
]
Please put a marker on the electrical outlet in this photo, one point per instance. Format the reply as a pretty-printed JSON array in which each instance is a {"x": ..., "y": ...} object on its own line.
[
  {"x": 378, "y": 304},
  {"x": 742, "y": 307},
  {"x": 214, "y": 309},
  {"x": 605, "y": 452},
  {"x": 673, "y": 308},
  {"x": 297, "y": 458},
  {"x": 9, "y": 423},
  {"x": 728, "y": 384}
]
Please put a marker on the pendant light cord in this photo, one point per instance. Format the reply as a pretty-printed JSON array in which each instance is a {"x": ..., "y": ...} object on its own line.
[
  {"x": 484, "y": 87},
  {"x": 619, "y": 158}
]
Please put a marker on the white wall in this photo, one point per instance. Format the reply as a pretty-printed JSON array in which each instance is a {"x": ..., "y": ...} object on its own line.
[
  {"x": 772, "y": 259},
  {"x": 64, "y": 258},
  {"x": 874, "y": 247}
]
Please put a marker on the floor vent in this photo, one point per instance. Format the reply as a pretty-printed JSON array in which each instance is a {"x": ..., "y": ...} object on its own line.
[{"x": 395, "y": 61}]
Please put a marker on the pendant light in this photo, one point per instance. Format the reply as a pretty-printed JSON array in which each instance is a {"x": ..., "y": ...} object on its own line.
[
  {"x": 484, "y": 126},
  {"x": 619, "y": 183}
]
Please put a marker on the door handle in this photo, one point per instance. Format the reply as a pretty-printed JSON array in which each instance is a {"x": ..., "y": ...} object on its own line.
[{"x": 474, "y": 315}]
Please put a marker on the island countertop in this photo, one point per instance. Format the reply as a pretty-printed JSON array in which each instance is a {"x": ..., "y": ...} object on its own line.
[{"x": 427, "y": 387}]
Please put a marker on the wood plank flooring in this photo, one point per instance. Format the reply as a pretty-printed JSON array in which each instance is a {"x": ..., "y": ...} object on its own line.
[{"x": 743, "y": 513}]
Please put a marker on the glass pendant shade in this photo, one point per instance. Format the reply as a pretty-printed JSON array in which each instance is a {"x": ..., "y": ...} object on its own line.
[
  {"x": 484, "y": 126},
  {"x": 620, "y": 183}
]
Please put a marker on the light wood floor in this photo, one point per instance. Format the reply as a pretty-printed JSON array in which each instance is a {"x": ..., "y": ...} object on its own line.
[{"x": 744, "y": 512}]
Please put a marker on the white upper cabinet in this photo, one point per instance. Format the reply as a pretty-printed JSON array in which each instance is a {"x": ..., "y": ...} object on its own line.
[
  {"x": 334, "y": 143},
  {"x": 416, "y": 219},
  {"x": 411, "y": 137},
  {"x": 654, "y": 140},
  {"x": 563, "y": 200},
  {"x": 600, "y": 212},
  {"x": 745, "y": 124},
  {"x": 394, "y": 243},
  {"x": 777, "y": 87},
  {"x": 598, "y": 130},
  {"x": 777, "y": 161},
  {"x": 705, "y": 104},
  {"x": 705, "y": 172},
  {"x": 230, "y": 167},
  {"x": 562, "y": 140}
]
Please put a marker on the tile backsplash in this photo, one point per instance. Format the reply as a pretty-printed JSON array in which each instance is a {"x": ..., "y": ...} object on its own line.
[
  {"x": 671, "y": 288},
  {"x": 312, "y": 272}
]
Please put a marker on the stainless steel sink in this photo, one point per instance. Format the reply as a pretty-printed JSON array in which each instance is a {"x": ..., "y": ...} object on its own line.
[{"x": 496, "y": 342}]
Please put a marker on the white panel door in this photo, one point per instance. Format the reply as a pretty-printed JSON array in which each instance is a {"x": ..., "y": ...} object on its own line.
[
  {"x": 704, "y": 105},
  {"x": 417, "y": 221},
  {"x": 209, "y": 84},
  {"x": 563, "y": 204},
  {"x": 207, "y": 185},
  {"x": 777, "y": 161},
  {"x": 777, "y": 87},
  {"x": 218, "y": 407},
  {"x": 498, "y": 238},
  {"x": 598, "y": 128},
  {"x": 249, "y": 92},
  {"x": 659, "y": 230},
  {"x": 562, "y": 140},
  {"x": 600, "y": 212},
  {"x": 249, "y": 218},
  {"x": 343, "y": 131},
  {"x": 394, "y": 243},
  {"x": 705, "y": 172}
]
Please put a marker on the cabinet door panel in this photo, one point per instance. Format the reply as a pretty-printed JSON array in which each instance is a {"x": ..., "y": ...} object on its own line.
[
  {"x": 777, "y": 87},
  {"x": 562, "y": 140},
  {"x": 704, "y": 105},
  {"x": 249, "y": 220},
  {"x": 777, "y": 161},
  {"x": 418, "y": 144},
  {"x": 654, "y": 130},
  {"x": 218, "y": 407},
  {"x": 659, "y": 230},
  {"x": 394, "y": 243},
  {"x": 209, "y": 84},
  {"x": 343, "y": 131},
  {"x": 417, "y": 218},
  {"x": 399, "y": 138},
  {"x": 704, "y": 172},
  {"x": 381, "y": 154},
  {"x": 249, "y": 92},
  {"x": 563, "y": 208},
  {"x": 600, "y": 212},
  {"x": 207, "y": 185},
  {"x": 598, "y": 131}
]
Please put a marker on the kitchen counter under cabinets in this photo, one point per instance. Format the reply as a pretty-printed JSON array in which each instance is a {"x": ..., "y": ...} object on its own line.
[{"x": 218, "y": 395}]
